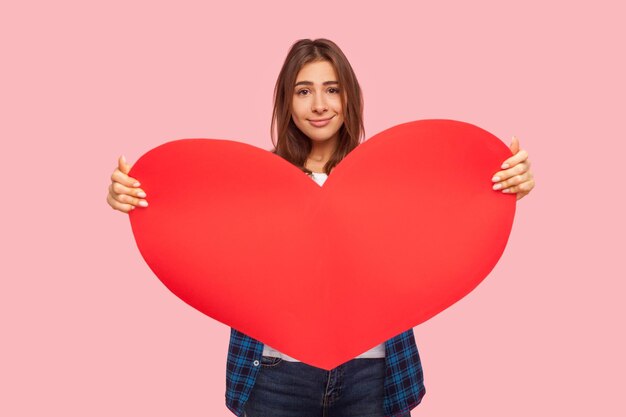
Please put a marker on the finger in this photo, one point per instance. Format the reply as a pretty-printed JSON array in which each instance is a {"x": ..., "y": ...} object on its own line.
[
  {"x": 519, "y": 169},
  {"x": 514, "y": 145},
  {"x": 122, "y": 178},
  {"x": 118, "y": 188},
  {"x": 129, "y": 199},
  {"x": 518, "y": 157},
  {"x": 514, "y": 180},
  {"x": 125, "y": 208},
  {"x": 524, "y": 186},
  {"x": 509, "y": 163},
  {"x": 123, "y": 165},
  {"x": 520, "y": 194}
]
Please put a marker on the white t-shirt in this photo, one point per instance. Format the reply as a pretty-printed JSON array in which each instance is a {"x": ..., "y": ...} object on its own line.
[{"x": 375, "y": 352}]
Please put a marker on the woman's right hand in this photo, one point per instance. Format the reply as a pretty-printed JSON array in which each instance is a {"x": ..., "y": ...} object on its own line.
[{"x": 124, "y": 192}]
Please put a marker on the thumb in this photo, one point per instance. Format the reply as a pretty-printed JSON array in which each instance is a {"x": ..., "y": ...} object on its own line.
[
  {"x": 123, "y": 165},
  {"x": 514, "y": 145}
]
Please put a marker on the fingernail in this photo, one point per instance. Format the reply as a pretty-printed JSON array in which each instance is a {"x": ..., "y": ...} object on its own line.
[
  {"x": 141, "y": 194},
  {"x": 505, "y": 166},
  {"x": 123, "y": 159},
  {"x": 136, "y": 184},
  {"x": 497, "y": 186},
  {"x": 506, "y": 190},
  {"x": 143, "y": 203},
  {"x": 495, "y": 179}
]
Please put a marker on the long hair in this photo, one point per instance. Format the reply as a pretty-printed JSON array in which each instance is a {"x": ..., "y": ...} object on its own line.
[{"x": 289, "y": 141}]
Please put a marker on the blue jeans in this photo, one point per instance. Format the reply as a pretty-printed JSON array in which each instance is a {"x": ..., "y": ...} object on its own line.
[{"x": 295, "y": 389}]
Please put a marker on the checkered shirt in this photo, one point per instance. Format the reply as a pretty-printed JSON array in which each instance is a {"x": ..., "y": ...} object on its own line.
[{"x": 404, "y": 379}]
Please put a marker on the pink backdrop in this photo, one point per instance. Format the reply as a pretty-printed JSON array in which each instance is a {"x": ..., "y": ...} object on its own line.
[{"x": 87, "y": 330}]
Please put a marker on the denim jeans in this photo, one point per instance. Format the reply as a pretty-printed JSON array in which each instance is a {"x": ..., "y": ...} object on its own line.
[{"x": 295, "y": 389}]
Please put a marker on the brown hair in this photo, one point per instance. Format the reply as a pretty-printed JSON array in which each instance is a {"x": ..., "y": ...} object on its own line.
[{"x": 289, "y": 141}]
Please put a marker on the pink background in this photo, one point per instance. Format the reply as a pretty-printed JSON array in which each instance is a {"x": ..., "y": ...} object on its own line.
[{"x": 88, "y": 330}]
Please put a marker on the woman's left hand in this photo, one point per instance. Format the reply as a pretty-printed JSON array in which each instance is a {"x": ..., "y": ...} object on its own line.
[{"x": 515, "y": 176}]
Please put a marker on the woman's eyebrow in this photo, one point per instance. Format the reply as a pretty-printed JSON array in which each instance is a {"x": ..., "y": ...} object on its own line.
[{"x": 311, "y": 83}]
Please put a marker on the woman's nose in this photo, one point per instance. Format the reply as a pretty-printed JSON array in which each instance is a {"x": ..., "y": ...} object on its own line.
[{"x": 319, "y": 103}]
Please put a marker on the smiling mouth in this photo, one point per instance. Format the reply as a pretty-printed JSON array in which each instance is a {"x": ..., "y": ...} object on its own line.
[{"x": 320, "y": 122}]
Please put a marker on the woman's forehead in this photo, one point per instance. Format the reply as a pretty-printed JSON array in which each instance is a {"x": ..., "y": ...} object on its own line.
[{"x": 319, "y": 72}]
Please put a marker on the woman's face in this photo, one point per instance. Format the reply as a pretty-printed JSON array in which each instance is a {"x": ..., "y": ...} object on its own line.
[{"x": 317, "y": 97}]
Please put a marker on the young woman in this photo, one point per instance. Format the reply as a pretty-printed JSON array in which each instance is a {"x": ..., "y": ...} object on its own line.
[{"x": 317, "y": 121}]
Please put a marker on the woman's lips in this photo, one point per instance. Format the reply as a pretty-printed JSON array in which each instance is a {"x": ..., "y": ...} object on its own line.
[{"x": 321, "y": 123}]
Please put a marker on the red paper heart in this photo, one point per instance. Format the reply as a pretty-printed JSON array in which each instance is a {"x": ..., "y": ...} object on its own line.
[{"x": 406, "y": 225}]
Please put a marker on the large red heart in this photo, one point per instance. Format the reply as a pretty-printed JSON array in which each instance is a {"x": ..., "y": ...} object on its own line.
[{"x": 406, "y": 225}]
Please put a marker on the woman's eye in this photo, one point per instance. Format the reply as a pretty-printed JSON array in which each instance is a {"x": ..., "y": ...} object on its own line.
[{"x": 332, "y": 90}]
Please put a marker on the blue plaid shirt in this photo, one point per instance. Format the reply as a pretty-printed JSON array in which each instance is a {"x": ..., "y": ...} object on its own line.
[{"x": 404, "y": 380}]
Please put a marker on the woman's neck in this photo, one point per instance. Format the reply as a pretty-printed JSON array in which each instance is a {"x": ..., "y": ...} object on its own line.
[{"x": 320, "y": 154}]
